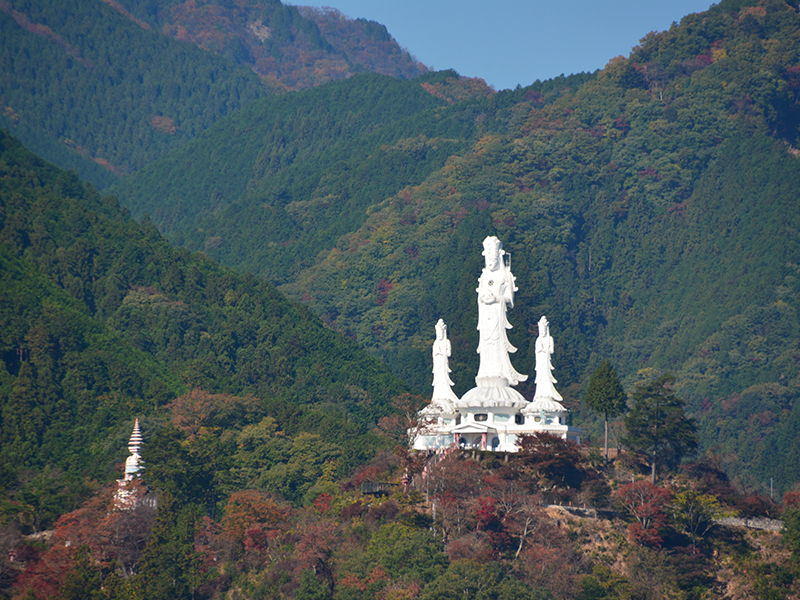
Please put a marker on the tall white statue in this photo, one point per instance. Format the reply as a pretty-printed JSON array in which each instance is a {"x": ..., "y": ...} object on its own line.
[
  {"x": 495, "y": 292},
  {"x": 441, "y": 369},
  {"x": 545, "y": 382}
]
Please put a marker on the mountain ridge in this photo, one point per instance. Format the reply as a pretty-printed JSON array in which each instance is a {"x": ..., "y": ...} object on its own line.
[{"x": 106, "y": 87}]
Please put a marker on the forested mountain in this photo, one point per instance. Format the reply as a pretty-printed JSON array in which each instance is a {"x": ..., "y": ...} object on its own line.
[
  {"x": 291, "y": 47},
  {"x": 320, "y": 157},
  {"x": 650, "y": 211},
  {"x": 366, "y": 44},
  {"x": 107, "y": 87},
  {"x": 102, "y": 320}
]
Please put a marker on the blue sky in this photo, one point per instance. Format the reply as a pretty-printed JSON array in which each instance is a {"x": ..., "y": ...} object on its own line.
[{"x": 510, "y": 42}]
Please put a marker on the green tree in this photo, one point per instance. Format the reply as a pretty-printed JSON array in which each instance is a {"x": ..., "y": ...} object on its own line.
[
  {"x": 604, "y": 584},
  {"x": 187, "y": 469},
  {"x": 470, "y": 579},
  {"x": 404, "y": 551},
  {"x": 695, "y": 513},
  {"x": 658, "y": 426},
  {"x": 606, "y": 395},
  {"x": 171, "y": 566},
  {"x": 791, "y": 532},
  {"x": 84, "y": 581},
  {"x": 311, "y": 588}
]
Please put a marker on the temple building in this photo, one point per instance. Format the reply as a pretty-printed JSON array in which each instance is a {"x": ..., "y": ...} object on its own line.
[{"x": 493, "y": 414}]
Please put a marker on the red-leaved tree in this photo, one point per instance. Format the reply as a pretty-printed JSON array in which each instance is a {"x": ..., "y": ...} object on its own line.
[
  {"x": 647, "y": 503},
  {"x": 254, "y": 523},
  {"x": 555, "y": 459},
  {"x": 111, "y": 536},
  {"x": 405, "y": 421}
]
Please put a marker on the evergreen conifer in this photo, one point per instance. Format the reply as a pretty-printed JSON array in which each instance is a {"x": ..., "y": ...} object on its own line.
[{"x": 606, "y": 395}]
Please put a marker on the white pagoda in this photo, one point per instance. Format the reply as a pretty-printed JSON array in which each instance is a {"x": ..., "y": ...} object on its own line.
[
  {"x": 491, "y": 415},
  {"x": 124, "y": 497}
]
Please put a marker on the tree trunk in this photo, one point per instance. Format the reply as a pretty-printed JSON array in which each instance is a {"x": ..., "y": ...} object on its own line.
[
  {"x": 522, "y": 538},
  {"x": 605, "y": 447},
  {"x": 653, "y": 469}
]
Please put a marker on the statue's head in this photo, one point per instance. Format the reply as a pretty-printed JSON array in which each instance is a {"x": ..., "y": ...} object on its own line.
[
  {"x": 492, "y": 251},
  {"x": 441, "y": 330},
  {"x": 544, "y": 327}
]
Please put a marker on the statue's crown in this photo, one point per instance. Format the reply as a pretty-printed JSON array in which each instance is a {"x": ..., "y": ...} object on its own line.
[
  {"x": 492, "y": 244},
  {"x": 543, "y": 325},
  {"x": 440, "y": 326}
]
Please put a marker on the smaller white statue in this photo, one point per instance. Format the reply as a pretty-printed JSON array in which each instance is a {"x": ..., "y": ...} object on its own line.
[
  {"x": 441, "y": 368},
  {"x": 545, "y": 382}
]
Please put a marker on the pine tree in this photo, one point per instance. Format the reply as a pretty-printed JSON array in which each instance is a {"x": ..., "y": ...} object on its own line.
[
  {"x": 84, "y": 581},
  {"x": 171, "y": 566},
  {"x": 23, "y": 418},
  {"x": 606, "y": 395},
  {"x": 658, "y": 426}
]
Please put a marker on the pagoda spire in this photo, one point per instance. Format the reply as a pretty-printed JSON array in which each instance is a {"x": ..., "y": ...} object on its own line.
[
  {"x": 133, "y": 464},
  {"x": 136, "y": 439}
]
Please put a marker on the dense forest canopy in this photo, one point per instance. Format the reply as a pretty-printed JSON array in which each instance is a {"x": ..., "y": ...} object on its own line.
[
  {"x": 85, "y": 77},
  {"x": 103, "y": 320},
  {"x": 649, "y": 210},
  {"x": 107, "y": 87},
  {"x": 290, "y": 47}
]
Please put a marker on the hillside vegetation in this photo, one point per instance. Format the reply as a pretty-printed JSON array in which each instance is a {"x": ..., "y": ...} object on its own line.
[
  {"x": 290, "y": 47},
  {"x": 649, "y": 209},
  {"x": 309, "y": 164},
  {"x": 107, "y": 87},
  {"x": 478, "y": 526},
  {"x": 102, "y": 320}
]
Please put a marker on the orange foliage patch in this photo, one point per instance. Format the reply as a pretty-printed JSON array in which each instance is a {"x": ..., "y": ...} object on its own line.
[
  {"x": 249, "y": 508},
  {"x": 163, "y": 124},
  {"x": 43, "y": 30},
  {"x": 197, "y": 411}
]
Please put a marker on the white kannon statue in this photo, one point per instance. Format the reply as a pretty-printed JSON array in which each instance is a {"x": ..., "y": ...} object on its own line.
[
  {"x": 545, "y": 382},
  {"x": 441, "y": 369},
  {"x": 495, "y": 292}
]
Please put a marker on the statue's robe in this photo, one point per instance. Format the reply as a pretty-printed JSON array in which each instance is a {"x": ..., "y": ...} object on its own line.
[{"x": 495, "y": 293}]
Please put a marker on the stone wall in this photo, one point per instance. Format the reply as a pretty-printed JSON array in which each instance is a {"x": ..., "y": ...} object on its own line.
[{"x": 758, "y": 523}]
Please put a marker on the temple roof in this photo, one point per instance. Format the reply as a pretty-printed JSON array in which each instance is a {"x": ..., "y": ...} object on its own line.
[
  {"x": 492, "y": 395},
  {"x": 547, "y": 405},
  {"x": 473, "y": 428}
]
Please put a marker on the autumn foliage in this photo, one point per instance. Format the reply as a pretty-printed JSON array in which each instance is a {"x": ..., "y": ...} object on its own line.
[
  {"x": 115, "y": 539},
  {"x": 553, "y": 458},
  {"x": 647, "y": 504}
]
